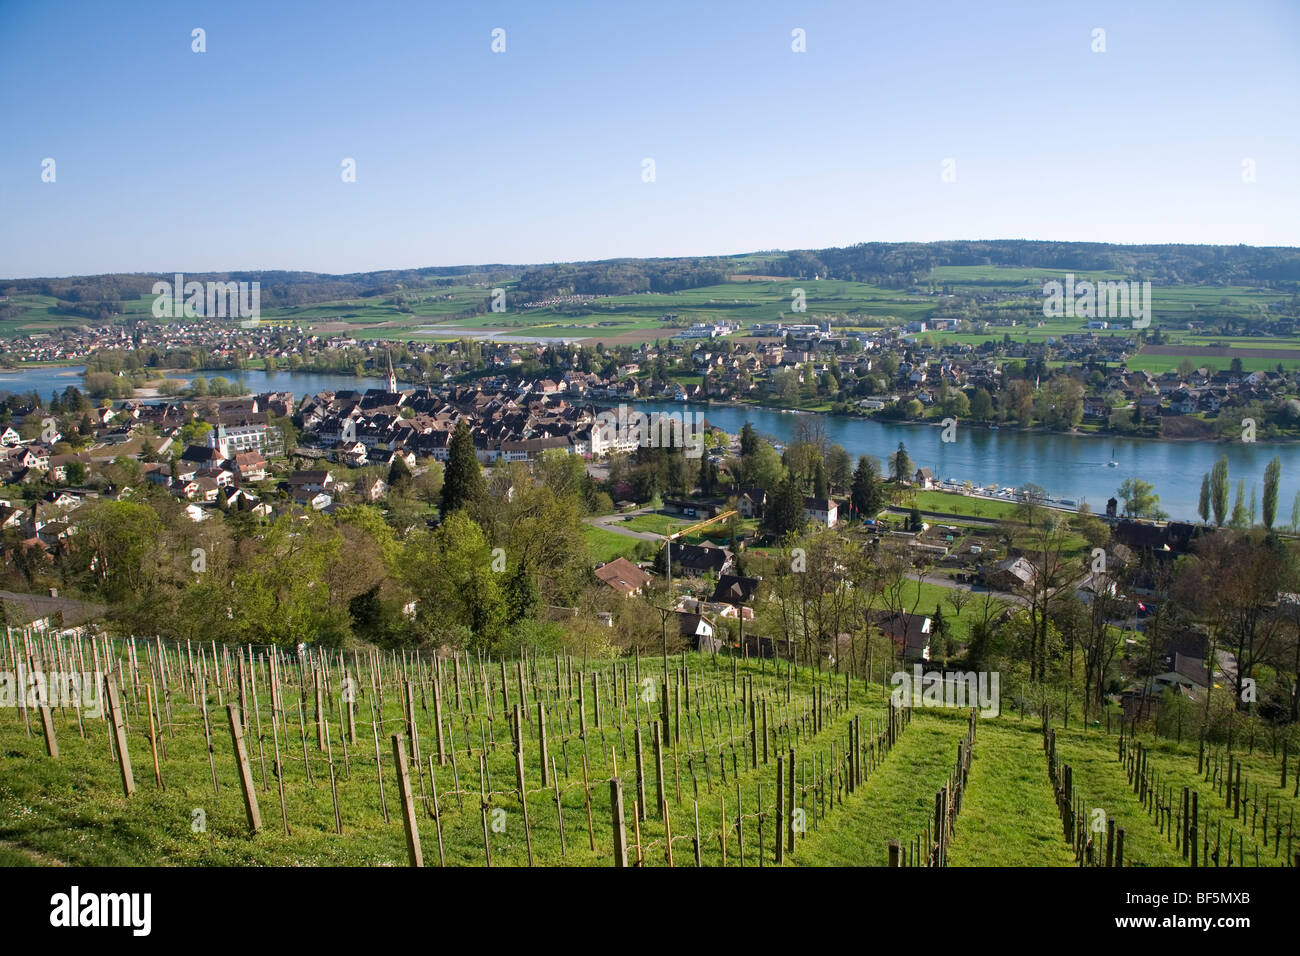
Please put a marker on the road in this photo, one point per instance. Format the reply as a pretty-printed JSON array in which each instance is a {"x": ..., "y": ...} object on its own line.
[{"x": 615, "y": 523}]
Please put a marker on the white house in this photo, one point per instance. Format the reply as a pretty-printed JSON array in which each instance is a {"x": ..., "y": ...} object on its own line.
[{"x": 821, "y": 511}]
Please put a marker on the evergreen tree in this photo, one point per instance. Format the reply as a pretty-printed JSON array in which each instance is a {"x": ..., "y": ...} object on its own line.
[
  {"x": 1239, "y": 515},
  {"x": 1272, "y": 477},
  {"x": 748, "y": 440},
  {"x": 867, "y": 496},
  {"x": 399, "y": 476},
  {"x": 900, "y": 464},
  {"x": 1219, "y": 490},
  {"x": 1203, "y": 503},
  {"x": 462, "y": 481},
  {"x": 784, "y": 511},
  {"x": 708, "y": 477}
]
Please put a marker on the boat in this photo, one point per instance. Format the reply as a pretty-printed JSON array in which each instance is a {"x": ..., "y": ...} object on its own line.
[{"x": 1112, "y": 463}]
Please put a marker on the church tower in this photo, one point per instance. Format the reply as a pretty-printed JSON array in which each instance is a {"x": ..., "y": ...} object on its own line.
[{"x": 392, "y": 376}]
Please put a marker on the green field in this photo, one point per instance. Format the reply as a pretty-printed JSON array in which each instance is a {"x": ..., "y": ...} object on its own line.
[
  {"x": 603, "y": 545},
  {"x": 71, "y": 809},
  {"x": 656, "y": 523},
  {"x": 447, "y": 312}
]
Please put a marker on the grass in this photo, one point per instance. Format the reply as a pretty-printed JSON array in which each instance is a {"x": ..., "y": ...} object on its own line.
[
  {"x": 1175, "y": 765},
  {"x": 72, "y": 809},
  {"x": 1008, "y": 815},
  {"x": 946, "y": 502},
  {"x": 656, "y": 523},
  {"x": 604, "y": 545},
  {"x": 1101, "y": 780},
  {"x": 896, "y": 800}
]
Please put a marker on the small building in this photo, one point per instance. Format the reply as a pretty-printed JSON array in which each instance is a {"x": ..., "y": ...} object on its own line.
[
  {"x": 622, "y": 576},
  {"x": 821, "y": 511}
]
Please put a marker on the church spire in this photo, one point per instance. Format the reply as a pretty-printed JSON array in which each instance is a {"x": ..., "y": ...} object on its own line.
[{"x": 392, "y": 376}]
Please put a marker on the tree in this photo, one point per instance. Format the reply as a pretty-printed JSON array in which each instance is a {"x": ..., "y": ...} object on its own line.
[
  {"x": 1140, "y": 499},
  {"x": 1272, "y": 476},
  {"x": 1219, "y": 490},
  {"x": 1203, "y": 503},
  {"x": 820, "y": 489},
  {"x": 900, "y": 465},
  {"x": 399, "y": 476},
  {"x": 1240, "y": 518},
  {"x": 749, "y": 440},
  {"x": 118, "y": 541},
  {"x": 450, "y": 571},
  {"x": 784, "y": 512},
  {"x": 957, "y": 599},
  {"x": 867, "y": 496},
  {"x": 763, "y": 469},
  {"x": 839, "y": 467},
  {"x": 462, "y": 483},
  {"x": 1030, "y": 498},
  {"x": 981, "y": 405},
  {"x": 940, "y": 639},
  {"x": 915, "y": 523},
  {"x": 428, "y": 484}
]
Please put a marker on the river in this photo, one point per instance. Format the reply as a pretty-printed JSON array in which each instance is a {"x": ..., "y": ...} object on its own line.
[
  {"x": 1066, "y": 466},
  {"x": 48, "y": 378}
]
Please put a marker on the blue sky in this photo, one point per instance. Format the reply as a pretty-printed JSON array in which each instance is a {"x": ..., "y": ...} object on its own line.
[{"x": 169, "y": 160}]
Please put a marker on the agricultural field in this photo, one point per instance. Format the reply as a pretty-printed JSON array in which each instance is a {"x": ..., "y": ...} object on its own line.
[
  {"x": 325, "y": 771},
  {"x": 447, "y": 312}
]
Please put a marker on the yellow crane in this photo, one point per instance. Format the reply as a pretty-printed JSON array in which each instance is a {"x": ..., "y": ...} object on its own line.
[{"x": 691, "y": 529}]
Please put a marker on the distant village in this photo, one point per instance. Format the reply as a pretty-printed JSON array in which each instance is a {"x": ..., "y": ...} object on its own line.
[{"x": 900, "y": 373}]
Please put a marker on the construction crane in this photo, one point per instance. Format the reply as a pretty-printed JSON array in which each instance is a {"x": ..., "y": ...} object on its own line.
[{"x": 690, "y": 529}]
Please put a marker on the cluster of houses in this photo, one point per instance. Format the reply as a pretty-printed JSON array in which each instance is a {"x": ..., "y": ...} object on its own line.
[{"x": 757, "y": 364}]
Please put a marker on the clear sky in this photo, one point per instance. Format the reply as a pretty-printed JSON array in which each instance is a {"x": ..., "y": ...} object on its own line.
[{"x": 170, "y": 160}]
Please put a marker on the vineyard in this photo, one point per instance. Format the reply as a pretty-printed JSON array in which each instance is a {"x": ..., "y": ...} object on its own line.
[{"x": 219, "y": 755}]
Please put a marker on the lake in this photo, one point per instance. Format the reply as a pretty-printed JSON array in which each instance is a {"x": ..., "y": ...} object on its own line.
[
  {"x": 1067, "y": 466},
  {"x": 46, "y": 379}
]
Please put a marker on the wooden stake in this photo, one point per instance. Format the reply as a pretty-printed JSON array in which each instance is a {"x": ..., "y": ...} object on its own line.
[
  {"x": 119, "y": 735},
  {"x": 245, "y": 772},
  {"x": 408, "y": 805}
]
